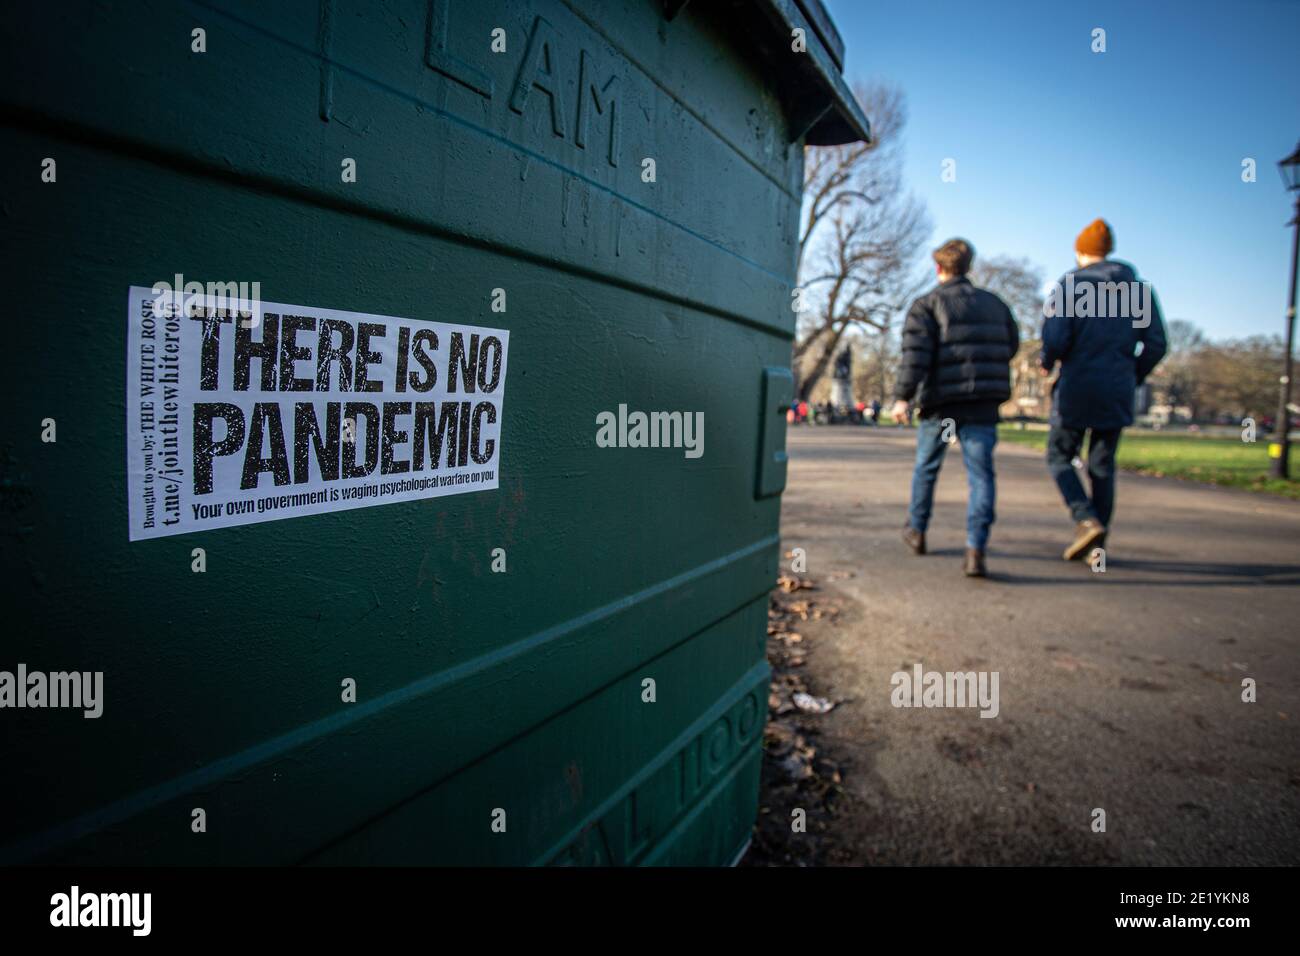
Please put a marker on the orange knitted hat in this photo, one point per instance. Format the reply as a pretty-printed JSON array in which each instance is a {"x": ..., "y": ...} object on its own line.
[{"x": 1095, "y": 240}]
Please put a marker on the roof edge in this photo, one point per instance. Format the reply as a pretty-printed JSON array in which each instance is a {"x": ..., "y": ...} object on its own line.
[{"x": 843, "y": 120}]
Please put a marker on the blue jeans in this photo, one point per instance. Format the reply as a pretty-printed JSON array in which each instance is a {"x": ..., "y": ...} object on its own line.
[{"x": 977, "y": 443}]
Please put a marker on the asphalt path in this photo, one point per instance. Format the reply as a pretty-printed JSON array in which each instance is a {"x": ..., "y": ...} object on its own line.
[{"x": 1119, "y": 690}]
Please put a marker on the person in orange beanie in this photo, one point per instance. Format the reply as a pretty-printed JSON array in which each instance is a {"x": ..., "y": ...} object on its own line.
[
  {"x": 1095, "y": 242},
  {"x": 1104, "y": 328}
]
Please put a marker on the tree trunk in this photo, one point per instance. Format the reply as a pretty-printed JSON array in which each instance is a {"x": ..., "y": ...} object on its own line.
[{"x": 819, "y": 367}]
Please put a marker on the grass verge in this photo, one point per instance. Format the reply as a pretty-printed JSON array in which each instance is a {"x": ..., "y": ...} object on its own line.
[{"x": 1217, "y": 461}]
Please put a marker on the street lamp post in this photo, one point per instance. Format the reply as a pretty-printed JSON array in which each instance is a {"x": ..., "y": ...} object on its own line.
[{"x": 1290, "y": 168}]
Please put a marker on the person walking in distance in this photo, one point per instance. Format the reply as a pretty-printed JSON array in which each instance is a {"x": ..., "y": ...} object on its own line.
[
  {"x": 958, "y": 342},
  {"x": 1104, "y": 329}
]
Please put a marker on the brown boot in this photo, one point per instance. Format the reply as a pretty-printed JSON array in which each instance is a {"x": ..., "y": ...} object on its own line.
[
  {"x": 914, "y": 539},
  {"x": 1086, "y": 535},
  {"x": 974, "y": 566}
]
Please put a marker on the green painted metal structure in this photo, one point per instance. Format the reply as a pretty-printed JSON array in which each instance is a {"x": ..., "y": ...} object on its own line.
[{"x": 477, "y": 691}]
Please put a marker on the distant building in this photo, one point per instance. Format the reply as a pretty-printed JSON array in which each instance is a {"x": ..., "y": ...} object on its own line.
[{"x": 1030, "y": 392}]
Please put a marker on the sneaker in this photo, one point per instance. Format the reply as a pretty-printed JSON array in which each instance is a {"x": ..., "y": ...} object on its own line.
[
  {"x": 914, "y": 539},
  {"x": 974, "y": 566},
  {"x": 1086, "y": 535}
]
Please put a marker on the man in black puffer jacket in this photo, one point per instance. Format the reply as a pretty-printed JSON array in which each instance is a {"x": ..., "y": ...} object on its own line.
[{"x": 958, "y": 343}]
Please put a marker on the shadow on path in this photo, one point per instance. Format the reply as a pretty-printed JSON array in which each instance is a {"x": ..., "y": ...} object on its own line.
[{"x": 1200, "y": 574}]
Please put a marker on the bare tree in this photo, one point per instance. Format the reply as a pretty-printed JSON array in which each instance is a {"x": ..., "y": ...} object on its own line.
[
  {"x": 1177, "y": 377},
  {"x": 1236, "y": 378},
  {"x": 877, "y": 369},
  {"x": 860, "y": 237},
  {"x": 1222, "y": 381},
  {"x": 1020, "y": 285}
]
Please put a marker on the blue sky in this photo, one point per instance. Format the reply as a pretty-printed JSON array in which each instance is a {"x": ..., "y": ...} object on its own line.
[{"x": 1149, "y": 135}]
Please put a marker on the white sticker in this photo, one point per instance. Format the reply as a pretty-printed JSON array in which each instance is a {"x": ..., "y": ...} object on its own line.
[{"x": 290, "y": 410}]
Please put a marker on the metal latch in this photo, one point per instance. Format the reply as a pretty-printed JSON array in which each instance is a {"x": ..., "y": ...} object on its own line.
[{"x": 777, "y": 392}]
